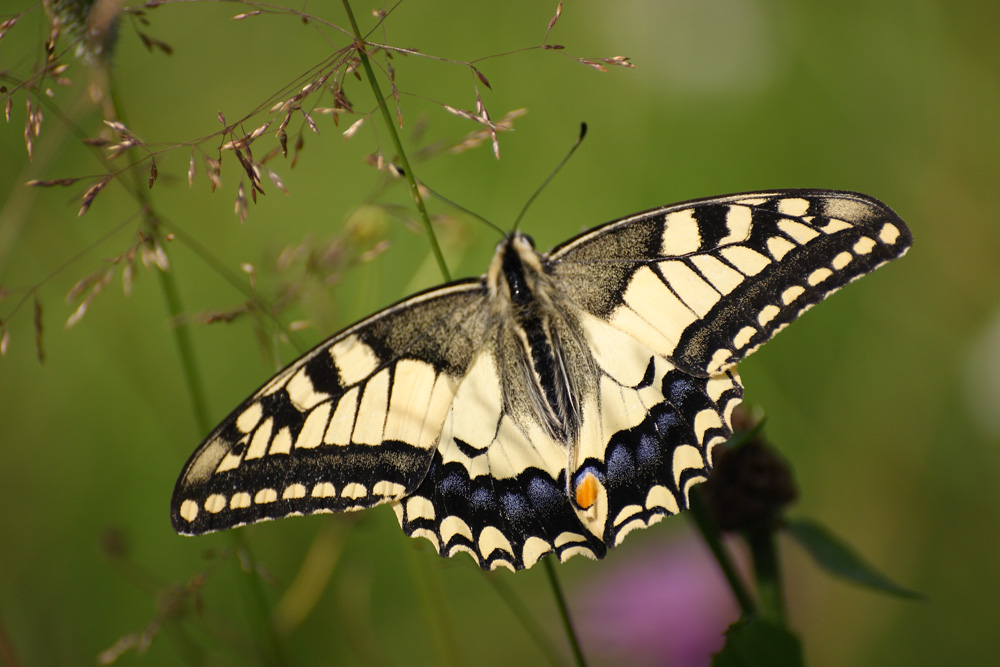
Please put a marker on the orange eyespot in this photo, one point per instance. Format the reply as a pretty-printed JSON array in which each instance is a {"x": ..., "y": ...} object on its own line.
[{"x": 586, "y": 491}]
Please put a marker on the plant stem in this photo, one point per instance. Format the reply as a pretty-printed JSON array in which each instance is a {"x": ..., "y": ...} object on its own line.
[
  {"x": 767, "y": 572},
  {"x": 574, "y": 643},
  {"x": 192, "y": 378},
  {"x": 359, "y": 45},
  {"x": 713, "y": 538},
  {"x": 525, "y": 618}
]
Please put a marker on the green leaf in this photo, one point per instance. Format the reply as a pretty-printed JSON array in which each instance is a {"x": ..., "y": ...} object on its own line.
[
  {"x": 838, "y": 559},
  {"x": 758, "y": 642}
]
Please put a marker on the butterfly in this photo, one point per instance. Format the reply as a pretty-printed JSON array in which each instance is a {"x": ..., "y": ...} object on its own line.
[{"x": 552, "y": 405}]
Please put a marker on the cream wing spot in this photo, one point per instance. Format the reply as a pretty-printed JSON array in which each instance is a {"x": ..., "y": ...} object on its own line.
[
  {"x": 418, "y": 507},
  {"x": 705, "y": 420},
  {"x": 438, "y": 406},
  {"x": 388, "y": 489},
  {"x": 189, "y": 510},
  {"x": 863, "y": 246},
  {"x": 697, "y": 294},
  {"x": 215, "y": 503},
  {"x": 738, "y": 220},
  {"x": 743, "y": 337},
  {"x": 477, "y": 404},
  {"x": 833, "y": 225},
  {"x": 311, "y": 435},
  {"x": 260, "y": 440},
  {"x": 354, "y": 360},
  {"x": 627, "y": 320},
  {"x": 619, "y": 355},
  {"x": 302, "y": 393},
  {"x": 275, "y": 383},
  {"x": 690, "y": 484},
  {"x": 686, "y": 457},
  {"x": 293, "y": 492},
  {"x": 230, "y": 461},
  {"x": 660, "y": 496},
  {"x": 680, "y": 233},
  {"x": 500, "y": 562},
  {"x": 491, "y": 539},
  {"x": 338, "y": 431},
  {"x": 534, "y": 549},
  {"x": 576, "y": 551},
  {"x": 889, "y": 234},
  {"x": 324, "y": 490},
  {"x": 749, "y": 262},
  {"x": 626, "y": 513},
  {"x": 250, "y": 417},
  {"x": 452, "y": 526},
  {"x": 461, "y": 548},
  {"x": 412, "y": 385},
  {"x": 818, "y": 276},
  {"x": 779, "y": 247},
  {"x": 627, "y": 528},
  {"x": 800, "y": 233},
  {"x": 767, "y": 313},
  {"x": 427, "y": 535},
  {"x": 372, "y": 410},
  {"x": 791, "y": 294},
  {"x": 722, "y": 276},
  {"x": 717, "y": 385},
  {"x": 621, "y": 410},
  {"x": 720, "y": 360},
  {"x": 354, "y": 491},
  {"x": 654, "y": 306},
  {"x": 841, "y": 260},
  {"x": 265, "y": 496},
  {"x": 793, "y": 206},
  {"x": 567, "y": 537},
  {"x": 282, "y": 442},
  {"x": 239, "y": 501}
]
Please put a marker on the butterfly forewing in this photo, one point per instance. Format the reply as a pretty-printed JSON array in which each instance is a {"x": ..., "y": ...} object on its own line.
[
  {"x": 352, "y": 424},
  {"x": 556, "y": 403},
  {"x": 707, "y": 282}
]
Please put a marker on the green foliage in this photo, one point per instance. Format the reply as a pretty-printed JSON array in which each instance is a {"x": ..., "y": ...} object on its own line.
[
  {"x": 834, "y": 556},
  {"x": 759, "y": 642},
  {"x": 868, "y": 396}
]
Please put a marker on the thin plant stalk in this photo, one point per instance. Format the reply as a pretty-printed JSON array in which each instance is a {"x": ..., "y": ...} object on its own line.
[
  {"x": 195, "y": 386},
  {"x": 525, "y": 618},
  {"x": 564, "y": 616},
  {"x": 702, "y": 518},
  {"x": 767, "y": 572},
  {"x": 441, "y": 625},
  {"x": 418, "y": 200}
]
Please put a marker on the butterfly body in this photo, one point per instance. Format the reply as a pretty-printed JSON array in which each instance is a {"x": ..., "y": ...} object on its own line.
[{"x": 554, "y": 404}]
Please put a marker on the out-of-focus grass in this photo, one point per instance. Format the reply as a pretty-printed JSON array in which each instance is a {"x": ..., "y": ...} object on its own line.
[{"x": 869, "y": 395}]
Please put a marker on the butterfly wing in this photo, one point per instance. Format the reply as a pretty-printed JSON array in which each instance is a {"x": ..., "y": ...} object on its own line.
[
  {"x": 416, "y": 405},
  {"x": 675, "y": 297},
  {"x": 352, "y": 424},
  {"x": 707, "y": 282}
]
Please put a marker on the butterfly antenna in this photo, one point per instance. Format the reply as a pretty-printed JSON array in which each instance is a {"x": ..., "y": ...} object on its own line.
[
  {"x": 576, "y": 144},
  {"x": 459, "y": 207}
]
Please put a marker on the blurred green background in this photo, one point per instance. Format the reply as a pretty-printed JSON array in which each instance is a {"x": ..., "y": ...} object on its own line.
[{"x": 886, "y": 399}]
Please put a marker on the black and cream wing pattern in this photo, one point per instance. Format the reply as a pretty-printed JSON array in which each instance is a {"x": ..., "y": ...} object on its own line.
[{"x": 552, "y": 405}]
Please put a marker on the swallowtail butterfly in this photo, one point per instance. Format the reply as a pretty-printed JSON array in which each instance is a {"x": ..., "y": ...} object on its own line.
[{"x": 552, "y": 405}]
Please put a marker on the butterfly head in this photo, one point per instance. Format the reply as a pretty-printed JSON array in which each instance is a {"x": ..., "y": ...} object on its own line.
[{"x": 516, "y": 274}]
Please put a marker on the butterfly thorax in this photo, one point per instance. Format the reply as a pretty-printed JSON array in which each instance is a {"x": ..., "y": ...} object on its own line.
[{"x": 539, "y": 351}]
